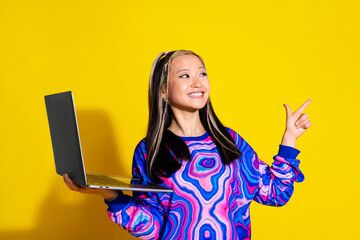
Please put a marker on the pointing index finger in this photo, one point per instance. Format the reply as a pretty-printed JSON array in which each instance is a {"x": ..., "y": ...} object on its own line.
[{"x": 302, "y": 108}]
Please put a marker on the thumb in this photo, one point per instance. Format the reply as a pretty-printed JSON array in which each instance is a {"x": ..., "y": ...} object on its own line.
[{"x": 288, "y": 110}]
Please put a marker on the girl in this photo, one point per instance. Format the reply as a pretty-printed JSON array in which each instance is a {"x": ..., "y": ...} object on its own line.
[{"x": 214, "y": 172}]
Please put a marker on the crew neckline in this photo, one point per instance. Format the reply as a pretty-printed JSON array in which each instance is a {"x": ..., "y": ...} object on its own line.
[{"x": 195, "y": 138}]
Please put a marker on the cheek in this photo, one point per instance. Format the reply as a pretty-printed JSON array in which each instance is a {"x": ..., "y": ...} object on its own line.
[
  {"x": 179, "y": 86},
  {"x": 207, "y": 85},
  {"x": 175, "y": 89}
]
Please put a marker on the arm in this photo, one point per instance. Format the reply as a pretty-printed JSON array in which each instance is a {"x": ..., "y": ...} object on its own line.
[
  {"x": 273, "y": 185},
  {"x": 142, "y": 215},
  {"x": 276, "y": 183},
  {"x": 264, "y": 184}
]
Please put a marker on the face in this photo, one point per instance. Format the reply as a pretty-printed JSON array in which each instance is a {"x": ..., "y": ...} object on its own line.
[{"x": 188, "y": 84}]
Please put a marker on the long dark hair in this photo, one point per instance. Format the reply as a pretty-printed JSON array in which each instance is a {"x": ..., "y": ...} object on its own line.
[{"x": 165, "y": 149}]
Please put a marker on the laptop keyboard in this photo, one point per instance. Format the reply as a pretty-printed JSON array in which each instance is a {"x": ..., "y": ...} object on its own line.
[{"x": 102, "y": 180}]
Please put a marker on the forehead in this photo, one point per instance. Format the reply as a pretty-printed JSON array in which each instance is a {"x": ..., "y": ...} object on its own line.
[{"x": 186, "y": 61}]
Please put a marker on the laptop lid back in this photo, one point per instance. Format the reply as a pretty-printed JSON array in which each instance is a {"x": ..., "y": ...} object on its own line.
[{"x": 65, "y": 136}]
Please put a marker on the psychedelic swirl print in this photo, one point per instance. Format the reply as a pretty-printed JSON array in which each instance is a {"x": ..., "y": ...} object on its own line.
[{"x": 210, "y": 200}]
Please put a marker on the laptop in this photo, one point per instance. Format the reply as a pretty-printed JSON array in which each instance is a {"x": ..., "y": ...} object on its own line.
[{"x": 68, "y": 155}]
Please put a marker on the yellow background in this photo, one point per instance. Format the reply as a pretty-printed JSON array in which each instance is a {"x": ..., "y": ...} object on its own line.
[{"x": 259, "y": 55}]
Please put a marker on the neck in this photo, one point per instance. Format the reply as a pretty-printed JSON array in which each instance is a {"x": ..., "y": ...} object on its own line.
[{"x": 186, "y": 124}]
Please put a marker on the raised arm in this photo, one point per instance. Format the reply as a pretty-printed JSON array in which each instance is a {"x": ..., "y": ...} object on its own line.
[{"x": 276, "y": 182}]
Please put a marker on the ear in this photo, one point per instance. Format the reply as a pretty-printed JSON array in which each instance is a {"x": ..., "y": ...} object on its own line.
[{"x": 163, "y": 92}]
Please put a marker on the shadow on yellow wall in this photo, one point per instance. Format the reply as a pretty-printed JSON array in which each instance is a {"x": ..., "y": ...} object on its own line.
[{"x": 67, "y": 215}]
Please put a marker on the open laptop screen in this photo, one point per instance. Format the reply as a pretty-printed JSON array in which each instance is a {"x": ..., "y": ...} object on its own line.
[{"x": 64, "y": 136}]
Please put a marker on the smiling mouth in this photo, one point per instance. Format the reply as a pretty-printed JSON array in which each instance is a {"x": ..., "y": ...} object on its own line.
[{"x": 196, "y": 94}]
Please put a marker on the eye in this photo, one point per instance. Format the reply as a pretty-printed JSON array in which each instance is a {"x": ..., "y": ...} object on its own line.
[
  {"x": 203, "y": 74},
  {"x": 184, "y": 76}
]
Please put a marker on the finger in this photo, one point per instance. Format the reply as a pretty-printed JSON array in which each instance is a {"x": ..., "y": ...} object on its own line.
[
  {"x": 303, "y": 123},
  {"x": 307, "y": 125},
  {"x": 70, "y": 183},
  {"x": 302, "y": 108},
  {"x": 302, "y": 118},
  {"x": 288, "y": 110}
]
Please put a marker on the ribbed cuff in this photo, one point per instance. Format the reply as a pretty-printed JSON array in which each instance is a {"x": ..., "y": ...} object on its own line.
[
  {"x": 288, "y": 152},
  {"x": 119, "y": 203}
]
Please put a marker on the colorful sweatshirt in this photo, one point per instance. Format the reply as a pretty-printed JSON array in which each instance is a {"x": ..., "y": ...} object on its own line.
[{"x": 210, "y": 200}]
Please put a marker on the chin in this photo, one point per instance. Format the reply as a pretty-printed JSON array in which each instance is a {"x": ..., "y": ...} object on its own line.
[
  {"x": 200, "y": 106},
  {"x": 190, "y": 106}
]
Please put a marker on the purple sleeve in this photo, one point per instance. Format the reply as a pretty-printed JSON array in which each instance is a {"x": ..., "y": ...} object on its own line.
[
  {"x": 142, "y": 215},
  {"x": 269, "y": 185},
  {"x": 276, "y": 183}
]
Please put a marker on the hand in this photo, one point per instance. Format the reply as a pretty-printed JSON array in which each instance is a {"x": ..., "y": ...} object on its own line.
[
  {"x": 107, "y": 194},
  {"x": 296, "y": 123}
]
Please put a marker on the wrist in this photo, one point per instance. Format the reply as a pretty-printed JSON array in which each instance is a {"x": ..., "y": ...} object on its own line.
[
  {"x": 110, "y": 195},
  {"x": 288, "y": 140}
]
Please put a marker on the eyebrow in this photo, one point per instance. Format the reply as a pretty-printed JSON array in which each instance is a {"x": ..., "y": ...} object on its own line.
[{"x": 184, "y": 69}]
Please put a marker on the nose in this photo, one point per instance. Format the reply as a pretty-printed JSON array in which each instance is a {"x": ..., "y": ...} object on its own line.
[{"x": 196, "y": 83}]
